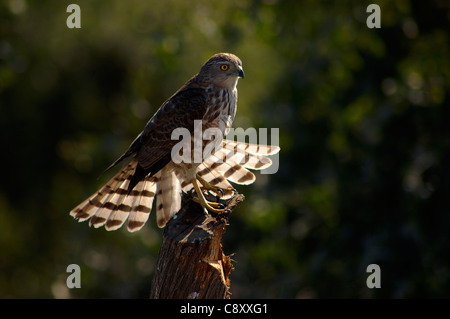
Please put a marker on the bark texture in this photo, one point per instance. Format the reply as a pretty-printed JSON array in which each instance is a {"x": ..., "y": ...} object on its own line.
[{"x": 191, "y": 263}]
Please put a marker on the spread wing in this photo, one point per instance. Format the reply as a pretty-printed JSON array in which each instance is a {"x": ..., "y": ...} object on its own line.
[{"x": 152, "y": 148}]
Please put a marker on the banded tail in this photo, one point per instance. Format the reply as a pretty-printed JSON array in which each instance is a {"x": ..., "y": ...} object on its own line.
[{"x": 113, "y": 203}]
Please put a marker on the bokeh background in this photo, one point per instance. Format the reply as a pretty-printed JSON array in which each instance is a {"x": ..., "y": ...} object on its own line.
[{"x": 363, "y": 115}]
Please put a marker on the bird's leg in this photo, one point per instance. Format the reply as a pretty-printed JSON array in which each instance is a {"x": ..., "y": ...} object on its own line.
[
  {"x": 213, "y": 204},
  {"x": 207, "y": 206},
  {"x": 213, "y": 188}
]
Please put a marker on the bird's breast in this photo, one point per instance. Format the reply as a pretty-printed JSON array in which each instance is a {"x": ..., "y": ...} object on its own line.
[{"x": 222, "y": 109}]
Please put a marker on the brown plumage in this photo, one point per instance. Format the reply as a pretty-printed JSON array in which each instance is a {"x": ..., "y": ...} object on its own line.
[{"x": 209, "y": 96}]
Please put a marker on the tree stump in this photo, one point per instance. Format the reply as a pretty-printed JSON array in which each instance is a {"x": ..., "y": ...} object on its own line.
[{"x": 191, "y": 263}]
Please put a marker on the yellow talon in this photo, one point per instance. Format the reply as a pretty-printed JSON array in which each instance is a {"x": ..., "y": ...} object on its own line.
[
  {"x": 213, "y": 204},
  {"x": 213, "y": 188},
  {"x": 207, "y": 206}
]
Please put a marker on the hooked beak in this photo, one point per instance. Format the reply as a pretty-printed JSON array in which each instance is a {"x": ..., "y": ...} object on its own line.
[{"x": 240, "y": 72}]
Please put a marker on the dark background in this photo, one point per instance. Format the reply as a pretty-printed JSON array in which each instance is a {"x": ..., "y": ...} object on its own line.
[{"x": 363, "y": 115}]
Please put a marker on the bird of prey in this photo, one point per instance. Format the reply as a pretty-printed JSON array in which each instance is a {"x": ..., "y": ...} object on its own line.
[{"x": 208, "y": 100}]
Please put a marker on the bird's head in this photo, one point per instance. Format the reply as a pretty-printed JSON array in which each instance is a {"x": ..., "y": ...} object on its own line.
[{"x": 222, "y": 69}]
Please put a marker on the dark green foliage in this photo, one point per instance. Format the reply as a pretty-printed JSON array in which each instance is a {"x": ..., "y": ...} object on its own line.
[{"x": 363, "y": 115}]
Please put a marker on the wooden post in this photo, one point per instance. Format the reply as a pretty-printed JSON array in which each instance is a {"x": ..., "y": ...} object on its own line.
[{"x": 191, "y": 263}]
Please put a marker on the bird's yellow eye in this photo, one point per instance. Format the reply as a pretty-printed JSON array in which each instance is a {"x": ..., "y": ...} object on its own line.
[{"x": 224, "y": 67}]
